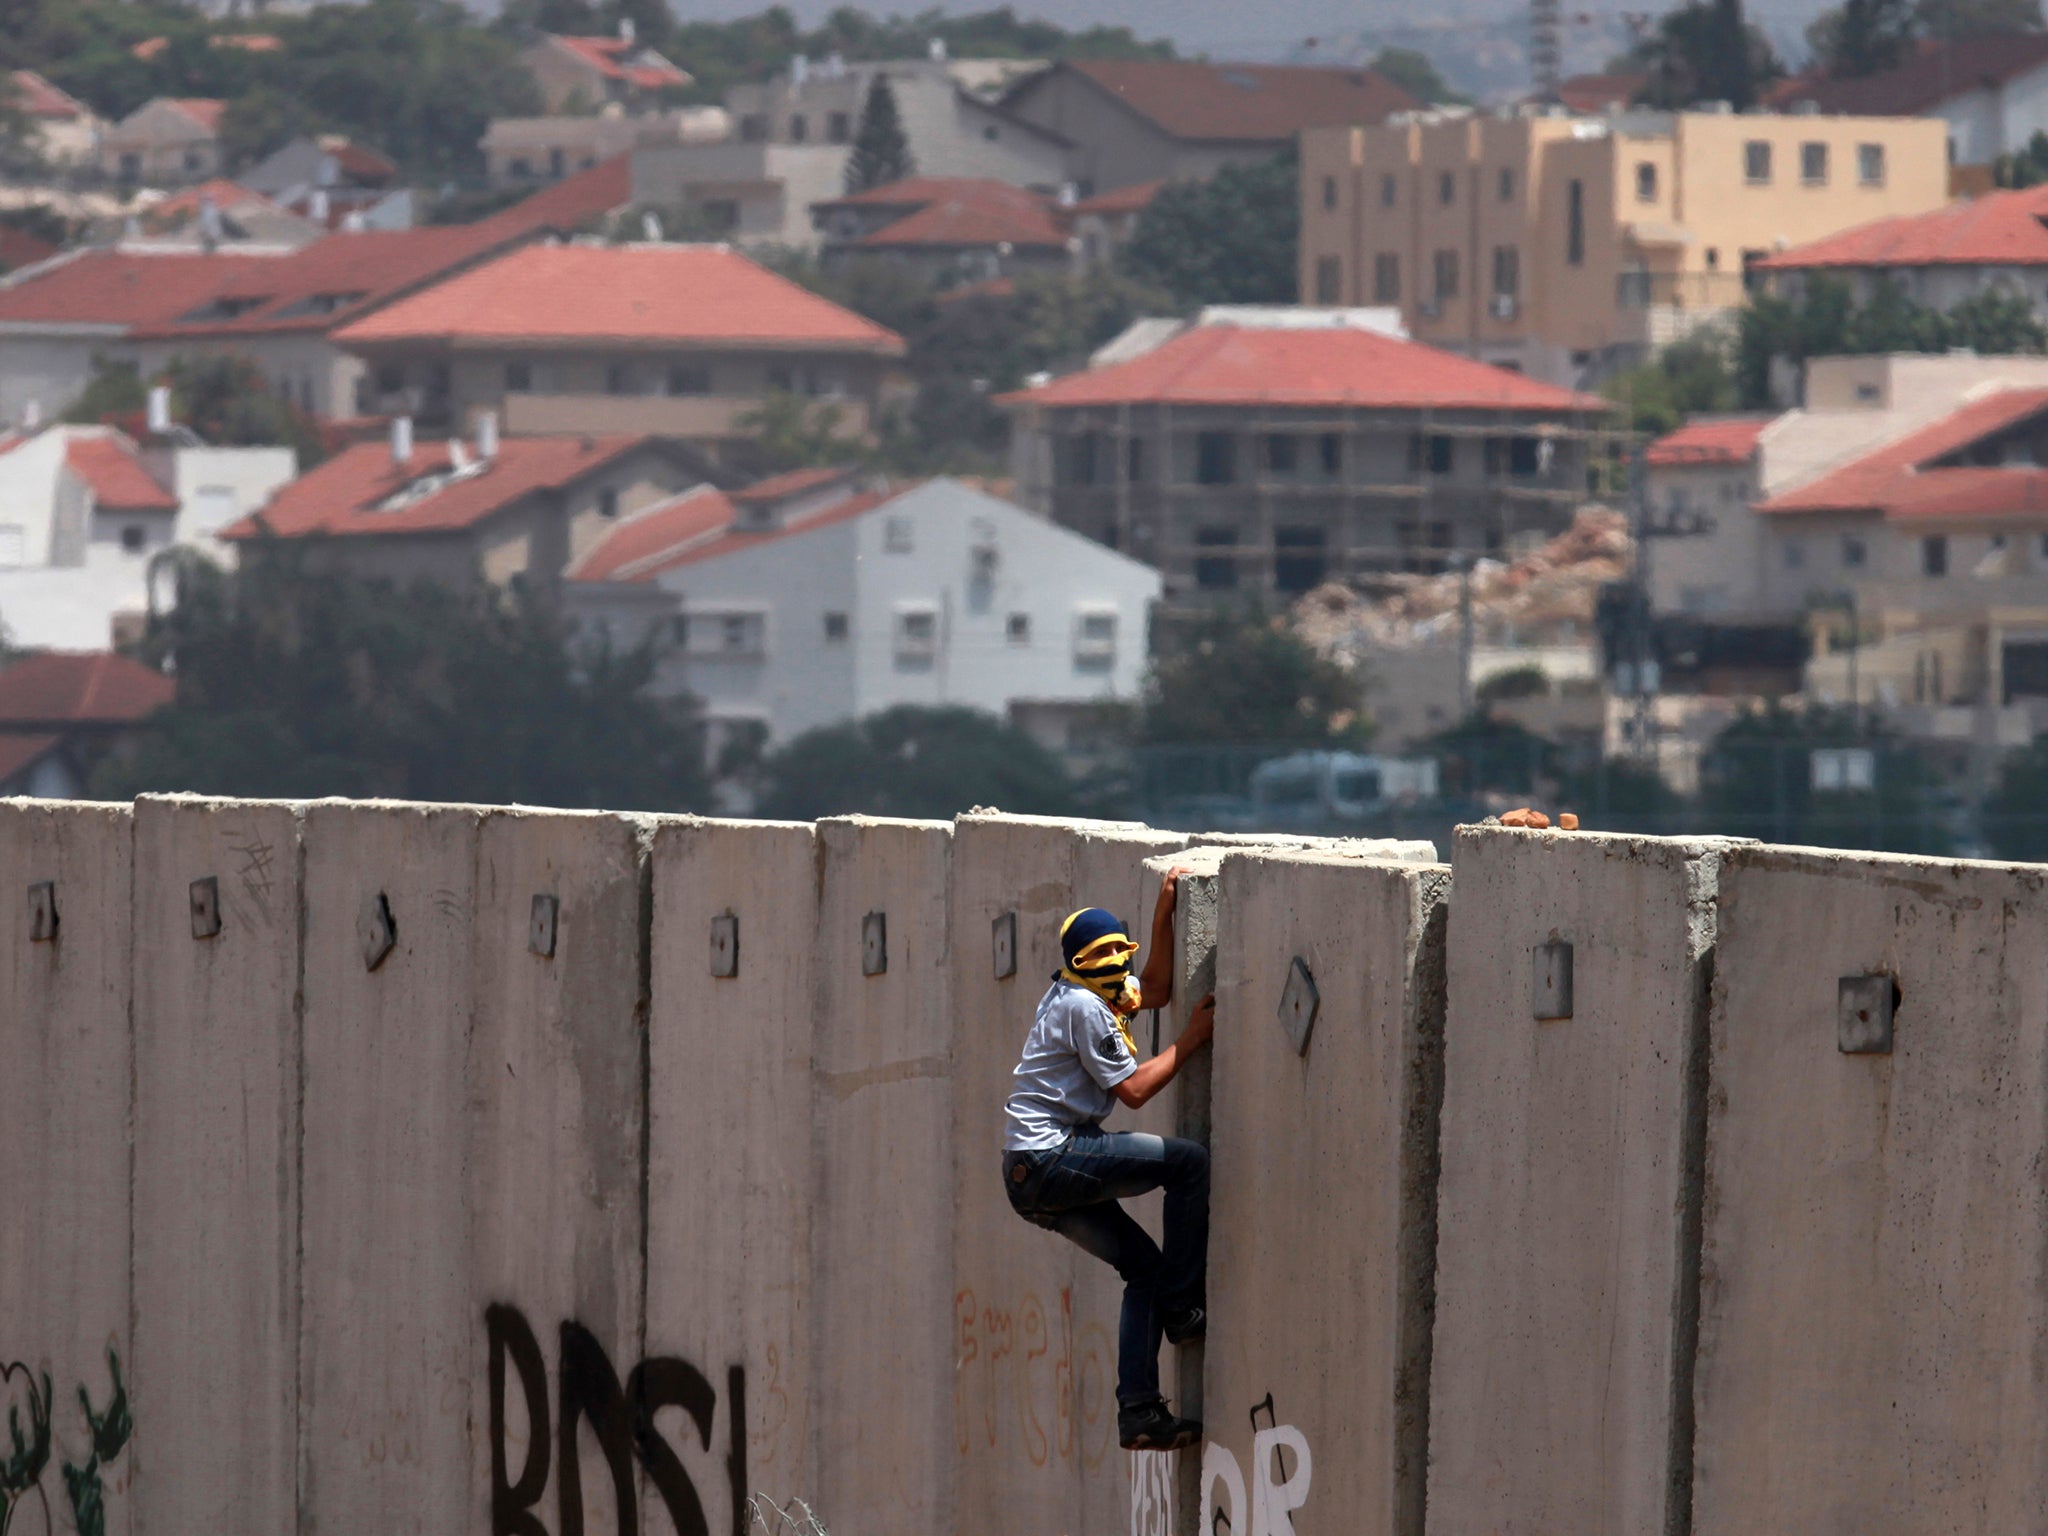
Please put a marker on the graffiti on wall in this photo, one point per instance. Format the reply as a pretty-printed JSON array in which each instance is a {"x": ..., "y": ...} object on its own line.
[
  {"x": 25, "y": 1456},
  {"x": 1277, "y": 1488},
  {"x": 1058, "y": 1382},
  {"x": 621, "y": 1417},
  {"x": 1152, "y": 1492}
]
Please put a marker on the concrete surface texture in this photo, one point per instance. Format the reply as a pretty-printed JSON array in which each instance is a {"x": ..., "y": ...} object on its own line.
[
  {"x": 1560, "y": 1393},
  {"x": 432, "y": 1168},
  {"x": 1324, "y": 1193},
  {"x": 1875, "y": 1290}
]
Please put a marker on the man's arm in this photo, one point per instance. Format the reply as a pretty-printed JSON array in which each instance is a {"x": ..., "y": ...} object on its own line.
[
  {"x": 1155, "y": 981},
  {"x": 1137, "y": 1089}
]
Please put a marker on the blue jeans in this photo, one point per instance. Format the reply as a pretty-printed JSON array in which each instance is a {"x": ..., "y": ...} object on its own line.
[{"x": 1074, "y": 1189}]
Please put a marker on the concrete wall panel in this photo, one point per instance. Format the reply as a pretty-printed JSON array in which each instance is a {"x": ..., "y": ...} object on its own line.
[
  {"x": 64, "y": 1140},
  {"x": 392, "y": 1357},
  {"x": 1874, "y": 1300},
  {"x": 1324, "y": 1190},
  {"x": 731, "y": 1164},
  {"x": 884, "y": 1127},
  {"x": 216, "y": 1167},
  {"x": 1560, "y": 1395},
  {"x": 1034, "y": 1387}
]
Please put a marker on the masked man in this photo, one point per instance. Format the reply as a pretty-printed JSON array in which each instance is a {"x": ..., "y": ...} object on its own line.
[{"x": 1065, "y": 1173}]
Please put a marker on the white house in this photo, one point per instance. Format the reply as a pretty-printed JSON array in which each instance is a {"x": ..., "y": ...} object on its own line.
[
  {"x": 86, "y": 511},
  {"x": 819, "y": 597}
]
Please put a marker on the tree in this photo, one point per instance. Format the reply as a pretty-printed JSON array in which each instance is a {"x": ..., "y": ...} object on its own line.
[
  {"x": 1688, "y": 378},
  {"x": 2028, "y": 167},
  {"x": 912, "y": 761},
  {"x": 293, "y": 684},
  {"x": 224, "y": 399},
  {"x": 1229, "y": 240},
  {"x": 881, "y": 153},
  {"x": 1758, "y": 780},
  {"x": 1704, "y": 51},
  {"x": 2016, "y": 813},
  {"x": 1242, "y": 678},
  {"x": 789, "y": 432},
  {"x": 1416, "y": 73},
  {"x": 1863, "y": 37}
]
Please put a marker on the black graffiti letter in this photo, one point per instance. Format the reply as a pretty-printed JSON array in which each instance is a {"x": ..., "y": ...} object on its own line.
[
  {"x": 667, "y": 1383},
  {"x": 511, "y": 1502},
  {"x": 590, "y": 1389},
  {"x": 736, "y": 1455}
]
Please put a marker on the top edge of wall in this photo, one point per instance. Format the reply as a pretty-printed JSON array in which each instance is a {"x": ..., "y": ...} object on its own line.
[
  {"x": 988, "y": 816},
  {"x": 1616, "y": 842},
  {"x": 1918, "y": 867}
]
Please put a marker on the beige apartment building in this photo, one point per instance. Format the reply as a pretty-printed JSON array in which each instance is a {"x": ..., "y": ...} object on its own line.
[{"x": 1567, "y": 247}]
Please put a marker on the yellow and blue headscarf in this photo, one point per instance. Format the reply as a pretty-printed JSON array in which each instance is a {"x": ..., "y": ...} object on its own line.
[{"x": 1097, "y": 954}]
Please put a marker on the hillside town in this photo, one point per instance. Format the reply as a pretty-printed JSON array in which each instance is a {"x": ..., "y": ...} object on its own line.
[{"x": 1637, "y": 435}]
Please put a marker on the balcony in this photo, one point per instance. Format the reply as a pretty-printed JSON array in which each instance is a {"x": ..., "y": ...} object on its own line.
[
  {"x": 1662, "y": 307},
  {"x": 707, "y": 417}
]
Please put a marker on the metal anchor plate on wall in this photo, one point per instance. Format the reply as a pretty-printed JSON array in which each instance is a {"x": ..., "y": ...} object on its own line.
[
  {"x": 874, "y": 944},
  {"x": 540, "y": 928},
  {"x": 1864, "y": 1006},
  {"x": 375, "y": 930},
  {"x": 42, "y": 912},
  {"x": 1550, "y": 981},
  {"x": 725, "y": 945},
  {"x": 1004, "y": 944},
  {"x": 205, "y": 899},
  {"x": 1300, "y": 1002}
]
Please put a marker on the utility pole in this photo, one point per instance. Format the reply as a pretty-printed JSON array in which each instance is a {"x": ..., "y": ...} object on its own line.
[{"x": 1464, "y": 635}]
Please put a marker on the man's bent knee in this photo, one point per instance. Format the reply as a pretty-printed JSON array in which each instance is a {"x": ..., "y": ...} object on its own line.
[{"x": 1187, "y": 1162}]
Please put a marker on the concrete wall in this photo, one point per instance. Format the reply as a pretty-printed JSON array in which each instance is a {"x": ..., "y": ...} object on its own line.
[{"x": 433, "y": 1170}]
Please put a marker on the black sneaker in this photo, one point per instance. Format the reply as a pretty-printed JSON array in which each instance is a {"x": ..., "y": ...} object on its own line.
[
  {"x": 1180, "y": 1327},
  {"x": 1152, "y": 1427}
]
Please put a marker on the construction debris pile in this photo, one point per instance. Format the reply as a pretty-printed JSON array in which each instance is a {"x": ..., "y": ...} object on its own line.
[{"x": 1545, "y": 597}]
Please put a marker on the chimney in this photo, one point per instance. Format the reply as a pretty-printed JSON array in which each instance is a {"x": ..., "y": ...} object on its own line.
[
  {"x": 317, "y": 206},
  {"x": 937, "y": 49},
  {"x": 1069, "y": 194},
  {"x": 799, "y": 72},
  {"x": 458, "y": 455},
  {"x": 401, "y": 440},
  {"x": 487, "y": 436},
  {"x": 650, "y": 227},
  {"x": 31, "y": 415},
  {"x": 626, "y": 31},
  {"x": 159, "y": 409},
  {"x": 209, "y": 222}
]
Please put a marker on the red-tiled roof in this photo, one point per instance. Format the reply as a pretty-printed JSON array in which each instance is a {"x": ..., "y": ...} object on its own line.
[
  {"x": 19, "y": 752},
  {"x": 59, "y": 688},
  {"x": 702, "y": 512},
  {"x": 225, "y": 194},
  {"x": 916, "y": 191},
  {"x": 358, "y": 162},
  {"x": 734, "y": 540},
  {"x": 1600, "y": 93},
  {"x": 109, "y": 469},
  {"x": 617, "y": 59},
  {"x": 1132, "y": 199},
  {"x": 345, "y": 495},
  {"x": 19, "y": 248},
  {"x": 119, "y": 288},
  {"x": 571, "y": 203},
  {"x": 791, "y": 482},
  {"x": 2001, "y": 229},
  {"x": 1897, "y": 476},
  {"x": 203, "y": 110},
  {"x": 38, "y": 98},
  {"x": 1708, "y": 440},
  {"x": 985, "y": 213},
  {"x": 1259, "y": 103},
  {"x": 637, "y": 294},
  {"x": 1938, "y": 72},
  {"x": 1230, "y": 365}
]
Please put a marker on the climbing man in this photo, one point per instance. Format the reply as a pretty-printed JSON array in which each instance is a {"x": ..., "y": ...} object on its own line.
[{"x": 1065, "y": 1173}]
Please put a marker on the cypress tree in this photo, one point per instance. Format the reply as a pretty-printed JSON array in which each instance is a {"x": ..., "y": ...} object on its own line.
[{"x": 881, "y": 154}]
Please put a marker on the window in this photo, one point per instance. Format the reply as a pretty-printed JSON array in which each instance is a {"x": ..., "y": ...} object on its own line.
[
  {"x": 1646, "y": 181},
  {"x": 1445, "y": 265},
  {"x": 1713, "y": 258},
  {"x": 799, "y": 128},
  {"x": 1756, "y": 161},
  {"x": 1329, "y": 280},
  {"x": 838, "y": 127},
  {"x": 753, "y": 128},
  {"x": 618, "y": 380},
  {"x": 194, "y": 160},
  {"x": 689, "y": 379},
  {"x": 1813, "y": 164},
  {"x": 898, "y": 536},
  {"x": 1386, "y": 278},
  {"x": 558, "y": 163},
  {"x": 1281, "y": 453},
  {"x": 720, "y": 214},
  {"x": 518, "y": 378},
  {"x": 1795, "y": 555},
  {"x": 1430, "y": 453},
  {"x": 1329, "y": 191},
  {"x": 13, "y": 546},
  {"x": 782, "y": 378},
  {"x": 991, "y": 133},
  {"x": 1018, "y": 629},
  {"x": 741, "y": 634},
  {"x": 1298, "y": 562},
  {"x": 133, "y": 537},
  {"x": 1853, "y": 552},
  {"x": 1870, "y": 164},
  {"x": 1575, "y": 223},
  {"x": 1934, "y": 555},
  {"x": 1330, "y": 449},
  {"x": 1216, "y": 573},
  {"x": 1134, "y": 461},
  {"x": 1094, "y": 637},
  {"x": 917, "y": 632},
  {"x": 1446, "y": 188},
  {"x": 608, "y": 502},
  {"x": 1507, "y": 184},
  {"x": 1077, "y": 458},
  {"x": 837, "y": 628},
  {"x": 1215, "y": 458},
  {"x": 1514, "y": 456},
  {"x": 1507, "y": 271},
  {"x": 1389, "y": 190}
]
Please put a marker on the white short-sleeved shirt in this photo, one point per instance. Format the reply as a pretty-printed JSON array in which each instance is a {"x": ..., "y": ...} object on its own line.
[{"x": 1073, "y": 1057}]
